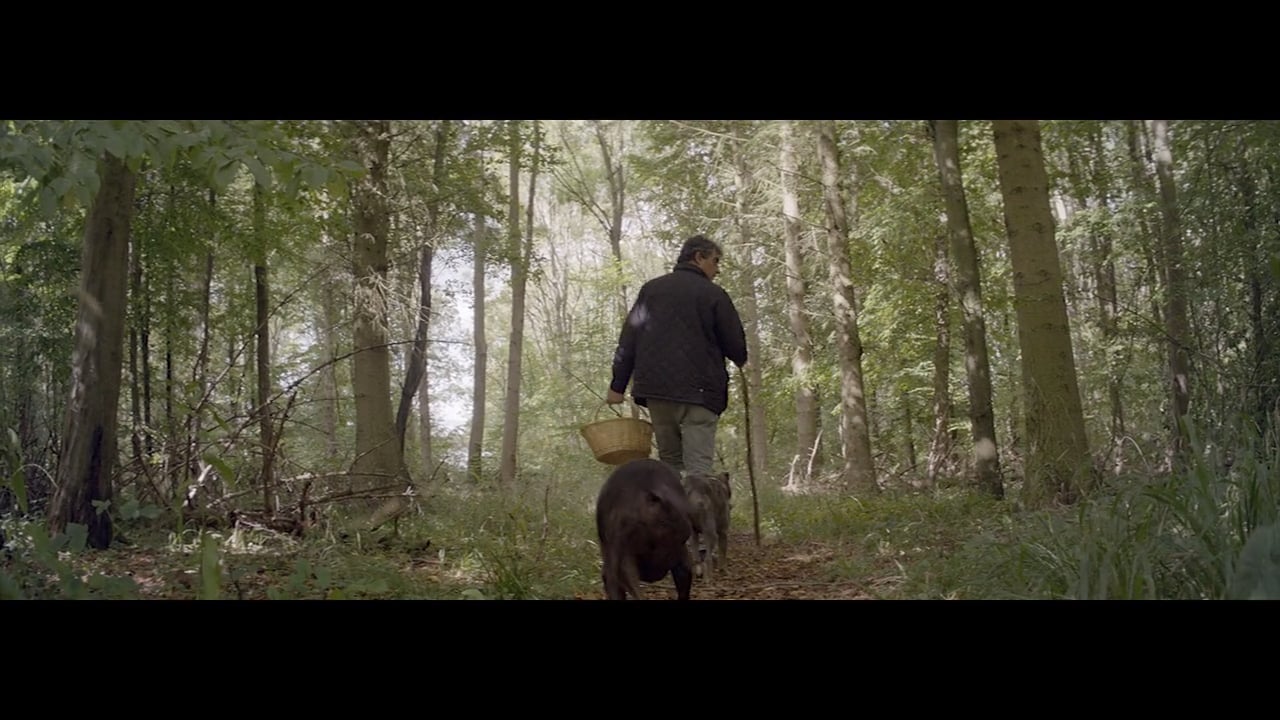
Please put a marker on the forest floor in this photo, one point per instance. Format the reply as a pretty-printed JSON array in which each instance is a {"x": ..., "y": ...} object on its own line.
[
  {"x": 486, "y": 547},
  {"x": 775, "y": 571}
]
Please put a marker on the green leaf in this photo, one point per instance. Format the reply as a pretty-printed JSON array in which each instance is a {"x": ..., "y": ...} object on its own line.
[
  {"x": 315, "y": 176},
  {"x": 323, "y": 576},
  {"x": 41, "y": 541},
  {"x": 136, "y": 143},
  {"x": 1275, "y": 267},
  {"x": 9, "y": 589},
  {"x": 114, "y": 587},
  {"x": 1257, "y": 574},
  {"x": 18, "y": 484},
  {"x": 223, "y": 176},
  {"x": 473, "y": 594},
  {"x": 77, "y": 536},
  {"x": 115, "y": 144},
  {"x": 190, "y": 138},
  {"x": 129, "y": 509},
  {"x": 223, "y": 469},
  {"x": 210, "y": 572},
  {"x": 100, "y": 506},
  {"x": 83, "y": 196},
  {"x": 336, "y": 594},
  {"x": 150, "y": 512},
  {"x": 371, "y": 587},
  {"x": 260, "y": 173}
]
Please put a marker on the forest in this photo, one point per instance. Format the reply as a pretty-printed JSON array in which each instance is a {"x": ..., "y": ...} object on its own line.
[{"x": 287, "y": 359}]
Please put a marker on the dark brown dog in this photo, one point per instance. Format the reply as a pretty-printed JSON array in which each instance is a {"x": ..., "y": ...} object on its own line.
[
  {"x": 709, "y": 495},
  {"x": 643, "y": 520}
]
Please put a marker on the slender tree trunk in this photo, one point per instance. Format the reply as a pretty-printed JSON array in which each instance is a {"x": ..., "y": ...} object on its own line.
[
  {"x": 859, "y": 471},
  {"x": 263, "y": 331},
  {"x": 616, "y": 177},
  {"x": 88, "y": 453},
  {"x": 1256, "y": 265},
  {"x": 1057, "y": 460},
  {"x": 329, "y": 411},
  {"x": 416, "y": 374},
  {"x": 521, "y": 258},
  {"x": 1103, "y": 268},
  {"x": 1139, "y": 159},
  {"x": 1176, "y": 324},
  {"x": 139, "y": 427},
  {"x": 744, "y": 185},
  {"x": 144, "y": 347},
  {"x": 986, "y": 457},
  {"x": 909, "y": 431},
  {"x": 175, "y": 464},
  {"x": 475, "y": 449},
  {"x": 802, "y": 357},
  {"x": 200, "y": 373},
  {"x": 378, "y": 458},
  {"x": 940, "y": 445}
]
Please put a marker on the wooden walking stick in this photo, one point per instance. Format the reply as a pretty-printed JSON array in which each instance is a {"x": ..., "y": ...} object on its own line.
[{"x": 751, "y": 470}]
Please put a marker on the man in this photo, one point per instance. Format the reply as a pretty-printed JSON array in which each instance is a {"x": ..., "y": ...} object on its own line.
[{"x": 672, "y": 349}]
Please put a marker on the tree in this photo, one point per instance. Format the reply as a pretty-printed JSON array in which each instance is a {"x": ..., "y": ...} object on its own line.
[
  {"x": 968, "y": 287},
  {"x": 806, "y": 394},
  {"x": 378, "y": 458},
  {"x": 89, "y": 437},
  {"x": 1058, "y": 463},
  {"x": 1175, "y": 284},
  {"x": 859, "y": 471},
  {"x": 521, "y": 257}
]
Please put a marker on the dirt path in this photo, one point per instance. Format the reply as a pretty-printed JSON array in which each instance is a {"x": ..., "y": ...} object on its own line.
[{"x": 770, "y": 572}]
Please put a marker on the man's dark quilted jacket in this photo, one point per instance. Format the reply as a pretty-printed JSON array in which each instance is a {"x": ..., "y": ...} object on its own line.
[{"x": 675, "y": 340}]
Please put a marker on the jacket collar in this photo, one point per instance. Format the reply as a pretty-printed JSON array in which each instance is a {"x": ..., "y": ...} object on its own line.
[{"x": 689, "y": 267}]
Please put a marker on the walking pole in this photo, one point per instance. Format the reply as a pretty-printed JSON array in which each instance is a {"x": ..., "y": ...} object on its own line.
[{"x": 751, "y": 471}]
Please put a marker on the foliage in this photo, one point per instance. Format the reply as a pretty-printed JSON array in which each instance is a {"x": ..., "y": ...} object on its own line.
[{"x": 1175, "y": 538}]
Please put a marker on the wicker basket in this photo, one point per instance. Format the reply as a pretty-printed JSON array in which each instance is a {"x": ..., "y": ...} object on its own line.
[{"x": 618, "y": 440}]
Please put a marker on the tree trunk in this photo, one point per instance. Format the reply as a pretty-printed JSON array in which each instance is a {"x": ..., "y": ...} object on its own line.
[
  {"x": 1104, "y": 280},
  {"x": 1176, "y": 324},
  {"x": 416, "y": 373},
  {"x": 520, "y": 259},
  {"x": 200, "y": 373},
  {"x": 802, "y": 357},
  {"x": 1057, "y": 458},
  {"x": 744, "y": 185},
  {"x": 378, "y": 459},
  {"x": 475, "y": 448},
  {"x": 263, "y": 331},
  {"x": 139, "y": 429},
  {"x": 616, "y": 177},
  {"x": 1142, "y": 188},
  {"x": 176, "y": 468},
  {"x": 968, "y": 279},
  {"x": 858, "y": 472},
  {"x": 329, "y": 375},
  {"x": 88, "y": 453},
  {"x": 144, "y": 348},
  {"x": 1256, "y": 264},
  {"x": 940, "y": 444}
]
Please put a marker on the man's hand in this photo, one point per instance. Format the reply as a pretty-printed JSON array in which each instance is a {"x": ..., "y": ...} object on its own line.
[{"x": 613, "y": 398}]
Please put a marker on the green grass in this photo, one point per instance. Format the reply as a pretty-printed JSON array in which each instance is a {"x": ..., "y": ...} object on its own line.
[{"x": 1181, "y": 537}]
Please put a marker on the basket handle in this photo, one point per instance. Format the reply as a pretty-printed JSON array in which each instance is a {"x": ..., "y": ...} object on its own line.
[
  {"x": 604, "y": 405},
  {"x": 615, "y": 410}
]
